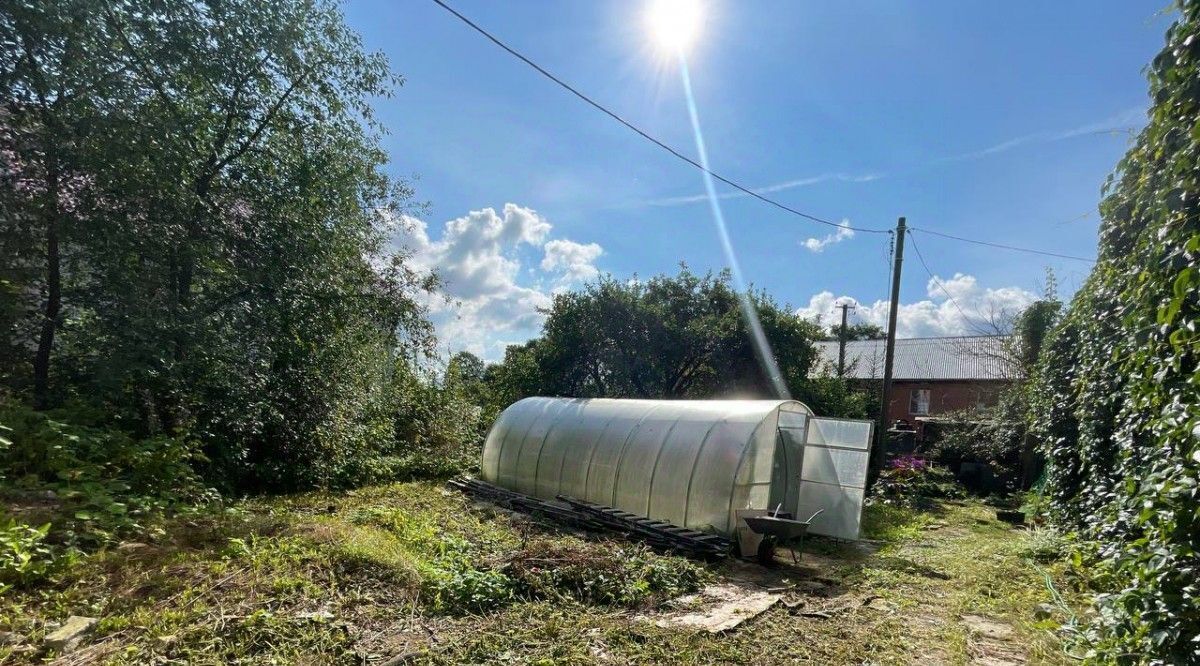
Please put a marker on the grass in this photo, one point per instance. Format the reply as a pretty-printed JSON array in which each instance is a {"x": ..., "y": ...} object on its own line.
[{"x": 416, "y": 570}]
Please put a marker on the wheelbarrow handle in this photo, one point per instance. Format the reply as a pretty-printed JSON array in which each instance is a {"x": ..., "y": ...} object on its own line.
[{"x": 817, "y": 513}]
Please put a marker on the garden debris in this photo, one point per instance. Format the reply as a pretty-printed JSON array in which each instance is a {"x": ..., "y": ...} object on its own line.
[
  {"x": 322, "y": 615},
  {"x": 606, "y": 573},
  {"x": 67, "y": 637},
  {"x": 800, "y": 607},
  {"x": 722, "y": 607},
  {"x": 995, "y": 653},
  {"x": 816, "y": 588}
]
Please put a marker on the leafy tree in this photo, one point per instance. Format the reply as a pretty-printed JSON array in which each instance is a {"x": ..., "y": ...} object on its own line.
[
  {"x": 58, "y": 71},
  {"x": 998, "y": 435},
  {"x": 201, "y": 216},
  {"x": 666, "y": 337},
  {"x": 466, "y": 370},
  {"x": 860, "y": 331}
]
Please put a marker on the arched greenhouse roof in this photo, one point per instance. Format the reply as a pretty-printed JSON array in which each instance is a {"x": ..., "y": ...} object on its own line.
[{"x": 691, "y": 463}]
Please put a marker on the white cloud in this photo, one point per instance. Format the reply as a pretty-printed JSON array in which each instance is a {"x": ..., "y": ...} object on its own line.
[
  {"x": 1118, "y": 123},
  {"x": 481, "y": 307},
  {"x": 767, "y": 189},
  {"x": 844, "y": 232},
  {"x": 959, "y": 306},
  {"x": 1123, "y": 122},
  {"x": 575, "y": 260}
]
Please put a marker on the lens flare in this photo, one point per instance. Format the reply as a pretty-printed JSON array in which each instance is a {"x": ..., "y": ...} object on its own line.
[
  {"x": 762, "y": 348},
  {"x": 675, "y": 24}
]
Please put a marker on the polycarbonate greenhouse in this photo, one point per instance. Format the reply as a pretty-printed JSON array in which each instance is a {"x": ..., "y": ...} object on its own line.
[{"x": 692, "y": 463}]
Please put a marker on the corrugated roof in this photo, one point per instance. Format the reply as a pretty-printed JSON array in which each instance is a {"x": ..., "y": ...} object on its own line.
[{"x": 969, "y": 357}]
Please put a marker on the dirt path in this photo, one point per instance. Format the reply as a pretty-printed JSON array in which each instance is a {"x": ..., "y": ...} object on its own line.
[{"x": 950, "y": 589}]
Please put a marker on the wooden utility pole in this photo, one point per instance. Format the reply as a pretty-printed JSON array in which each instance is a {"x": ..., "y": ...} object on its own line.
[
  {"x": 842, "y": 340},
  {"x": 889, "y": 351}
]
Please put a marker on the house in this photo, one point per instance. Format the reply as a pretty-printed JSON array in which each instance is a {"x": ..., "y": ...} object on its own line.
[{"x": 930, "y": 376}]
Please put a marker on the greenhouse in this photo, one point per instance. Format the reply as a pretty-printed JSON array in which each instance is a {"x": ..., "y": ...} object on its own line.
[{"x": 691, "y": 463}]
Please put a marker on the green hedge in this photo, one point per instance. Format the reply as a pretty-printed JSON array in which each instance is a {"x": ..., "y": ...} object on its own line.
[{"x": 1117, "y": 393}]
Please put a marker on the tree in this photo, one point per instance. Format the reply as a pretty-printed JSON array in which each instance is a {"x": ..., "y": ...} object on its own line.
[
  {"x": 59, "y": 70},
  {"x": 465, "y": 368},
  {"x": 860, "y": 331},
  {"x": 201, "y": 213},
  {"x": 679, "y": 336}
]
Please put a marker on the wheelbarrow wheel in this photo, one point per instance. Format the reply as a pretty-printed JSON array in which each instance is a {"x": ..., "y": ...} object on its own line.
[{"x": 766, "y": 551}]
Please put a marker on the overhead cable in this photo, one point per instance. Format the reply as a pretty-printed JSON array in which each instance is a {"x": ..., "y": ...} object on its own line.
[{"x": 603, "y": 109}]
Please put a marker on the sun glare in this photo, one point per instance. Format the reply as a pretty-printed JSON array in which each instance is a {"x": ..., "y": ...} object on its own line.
[{"x": 674, "y": 24}]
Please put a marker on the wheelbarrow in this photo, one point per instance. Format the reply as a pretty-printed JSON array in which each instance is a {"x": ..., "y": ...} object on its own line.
[{"x": 780, "y": 530}]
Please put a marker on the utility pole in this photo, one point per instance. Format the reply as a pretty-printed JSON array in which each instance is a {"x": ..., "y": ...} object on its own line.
[
  {"x": 842, "y": 340},
  {"x": 889, "y": 352}
]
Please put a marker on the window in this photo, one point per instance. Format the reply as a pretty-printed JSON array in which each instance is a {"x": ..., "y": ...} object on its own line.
[{"x": 918, "y": 402}]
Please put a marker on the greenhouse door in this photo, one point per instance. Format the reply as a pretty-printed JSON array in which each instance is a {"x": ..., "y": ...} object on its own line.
[
  {"x": 833, "y": 475},
  {"x": 789, "y": 458}
]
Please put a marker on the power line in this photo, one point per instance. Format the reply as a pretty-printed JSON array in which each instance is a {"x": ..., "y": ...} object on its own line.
[
  {"x": 737, "y": 186},
  {"x": 934, "y": 277},
  {"x": 603, "y": 109},
  {"x": 1014, "y": 248}
]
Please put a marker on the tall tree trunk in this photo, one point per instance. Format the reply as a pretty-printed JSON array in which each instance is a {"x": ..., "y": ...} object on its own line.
[{"x": 53, "y": 303}]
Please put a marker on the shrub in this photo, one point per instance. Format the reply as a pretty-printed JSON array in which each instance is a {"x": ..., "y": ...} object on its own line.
[
  {"x": 993, "y": 437},
  {"x": 437, "y": 432},
  {"x": 24, "y": 555},
  {"x": 62, "y": 448},
  {"x": 1116, "y": 408},
  {"x": 912, "y": 481},
  {"x": 105, "y": 482},
  {"x": 455, "y": 586}
]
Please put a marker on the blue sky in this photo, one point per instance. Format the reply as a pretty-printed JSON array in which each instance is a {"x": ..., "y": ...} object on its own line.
[{"x": 976, "y": 119}]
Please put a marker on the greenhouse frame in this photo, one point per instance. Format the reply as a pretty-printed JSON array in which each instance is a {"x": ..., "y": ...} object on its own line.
[{"x": 692, "y": 463}]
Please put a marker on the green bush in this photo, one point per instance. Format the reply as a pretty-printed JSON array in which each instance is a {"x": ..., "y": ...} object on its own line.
[
  {"x": 993, "y": 437},
  {"x": 104, "y": 483},
  {"x": 454, "y": 585},
  {"x": 24, "y": 555},
  {"x": 1116, "y": 405},
  {"x": 912, "y": 481},
  {"x": 438, "y": 429},
  {"x": 64, "y": 448}
]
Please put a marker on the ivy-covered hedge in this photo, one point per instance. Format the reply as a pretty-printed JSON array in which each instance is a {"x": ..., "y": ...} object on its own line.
[{"x": 1117, "y": 394}]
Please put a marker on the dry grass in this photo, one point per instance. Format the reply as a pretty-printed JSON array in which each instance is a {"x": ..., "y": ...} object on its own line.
[{"x": 344, "y": 579}]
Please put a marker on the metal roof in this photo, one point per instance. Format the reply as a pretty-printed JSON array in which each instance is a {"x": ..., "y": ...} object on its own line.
[{"x": 979, "y": 357}]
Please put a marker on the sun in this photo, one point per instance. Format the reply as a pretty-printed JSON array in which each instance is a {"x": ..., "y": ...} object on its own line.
[{"x": 674, "y": 24}]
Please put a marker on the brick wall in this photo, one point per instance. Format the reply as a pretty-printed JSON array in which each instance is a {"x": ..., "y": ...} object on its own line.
[{"x": 944, "y": 396}]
